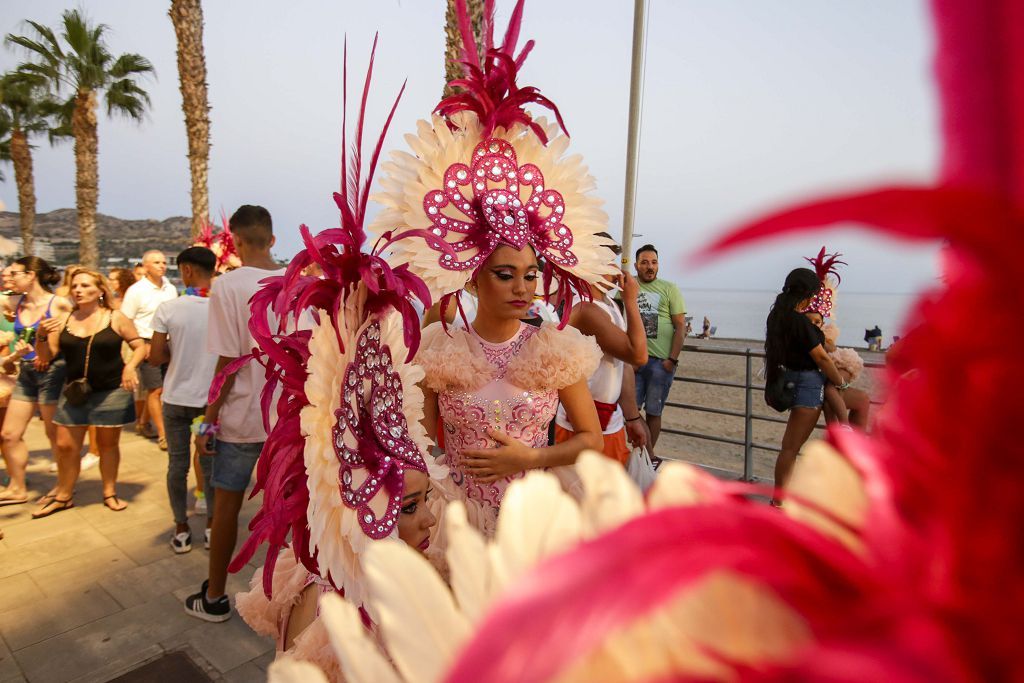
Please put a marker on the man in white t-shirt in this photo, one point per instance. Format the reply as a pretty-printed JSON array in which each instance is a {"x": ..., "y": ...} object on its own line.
[
  {"x": 235, "y": 417},
  {"x": 139, "y": 305},
  {"x": 179, "y": 339}
]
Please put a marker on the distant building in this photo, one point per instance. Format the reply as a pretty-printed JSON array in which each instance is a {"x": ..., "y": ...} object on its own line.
[{"x": 41, "y": 247}]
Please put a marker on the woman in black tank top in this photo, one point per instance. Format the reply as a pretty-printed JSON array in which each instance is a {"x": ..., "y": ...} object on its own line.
[{"x": 90, "y": 339}]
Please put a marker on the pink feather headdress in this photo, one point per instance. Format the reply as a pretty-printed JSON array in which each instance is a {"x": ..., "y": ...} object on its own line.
[
  {"x": 488, "y": 173},
  {"x": 346, "y": 423},
  {"x": 222, "y": 244},
  {"x": 825, "y": 266}
]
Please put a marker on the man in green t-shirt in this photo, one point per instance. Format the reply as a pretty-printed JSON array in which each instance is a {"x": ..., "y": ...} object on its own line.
[{"x": 664, "y": 315}]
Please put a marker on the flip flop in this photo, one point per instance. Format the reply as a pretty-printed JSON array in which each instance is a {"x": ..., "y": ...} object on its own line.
[
  {"x": 13, "y": 501},
  {"x": 48, "y": 510},
  {"x": 117, "y": 501}
]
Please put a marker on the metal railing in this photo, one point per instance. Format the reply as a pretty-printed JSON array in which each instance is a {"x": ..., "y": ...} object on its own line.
[{"x": 748, "y": 415}]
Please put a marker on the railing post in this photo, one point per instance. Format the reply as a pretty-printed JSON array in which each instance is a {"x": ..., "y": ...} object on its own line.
[{"x": 748, "y": 426}]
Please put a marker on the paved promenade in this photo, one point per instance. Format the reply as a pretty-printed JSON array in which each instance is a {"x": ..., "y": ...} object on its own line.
[{"x": 89, "y": 594}]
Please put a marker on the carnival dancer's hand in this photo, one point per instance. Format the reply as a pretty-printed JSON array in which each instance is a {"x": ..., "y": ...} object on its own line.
[
  {"x": 509, "y": 457},
  {"x": 129, "y": 379},
  {"x": 637, "y": 433},
  {"x": 630, "y": 287}
]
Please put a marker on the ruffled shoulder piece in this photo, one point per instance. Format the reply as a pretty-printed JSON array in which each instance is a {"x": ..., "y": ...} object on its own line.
[
  {"x": 452, "y": 360},
  {"x": 263, "y": 614},
  {"x": 554, "y": 358}
]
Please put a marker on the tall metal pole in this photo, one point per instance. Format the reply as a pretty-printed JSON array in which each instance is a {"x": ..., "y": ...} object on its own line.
[{"x": 636, "y": 86}]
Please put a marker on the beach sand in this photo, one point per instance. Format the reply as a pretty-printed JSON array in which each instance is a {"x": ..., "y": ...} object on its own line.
[{"x": 728, "y": 457}]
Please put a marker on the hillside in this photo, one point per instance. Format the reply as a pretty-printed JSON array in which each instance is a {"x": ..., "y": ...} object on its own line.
[{"x": 120, "y": 239}]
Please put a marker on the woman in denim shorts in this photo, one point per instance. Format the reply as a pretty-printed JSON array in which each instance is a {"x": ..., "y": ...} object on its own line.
[
  {"x": 39, "y": 383},
  {"x": 795, "y": 346}
]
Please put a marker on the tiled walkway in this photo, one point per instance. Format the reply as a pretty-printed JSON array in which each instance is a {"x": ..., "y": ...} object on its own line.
[{"x": 88, "y": 594}]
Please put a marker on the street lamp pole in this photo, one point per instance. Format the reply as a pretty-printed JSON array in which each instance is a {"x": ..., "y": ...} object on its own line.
[{"x": 633, "y": 139}]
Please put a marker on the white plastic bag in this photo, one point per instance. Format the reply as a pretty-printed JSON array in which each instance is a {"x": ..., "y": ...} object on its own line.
[{"x": 641, "y": 469}]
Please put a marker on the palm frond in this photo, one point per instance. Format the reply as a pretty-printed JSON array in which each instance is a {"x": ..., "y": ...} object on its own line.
[
  {"x": 126, "y": 98},
  {"x": 47, "y": 34},
  {"x": 130, "y": 63}
]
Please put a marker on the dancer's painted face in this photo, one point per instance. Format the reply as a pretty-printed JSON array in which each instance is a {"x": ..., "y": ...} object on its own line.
[
  {"x": 415, "y": 520},
  {"x": 507, "y": 281}
]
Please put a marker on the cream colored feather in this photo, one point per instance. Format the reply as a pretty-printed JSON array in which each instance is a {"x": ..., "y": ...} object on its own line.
[
  {"x": 422, "y": 627},
  {"x": 677, "y": 484},
  {"x": 288, "y": 670},
  {"x": 468, "y": 562},
  {"x": 610, "y": 497},
  {"x": 360, "y": 658},
  {"x": 537, "y": 519},
  {"x": 825, "y": 478}
]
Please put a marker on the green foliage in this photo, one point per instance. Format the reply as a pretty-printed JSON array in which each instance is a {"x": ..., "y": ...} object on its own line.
[{"x": 79, "y": 60}]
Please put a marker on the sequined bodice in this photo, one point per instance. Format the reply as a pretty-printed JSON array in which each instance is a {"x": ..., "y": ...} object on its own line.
[{"x": 499, "y": 404}]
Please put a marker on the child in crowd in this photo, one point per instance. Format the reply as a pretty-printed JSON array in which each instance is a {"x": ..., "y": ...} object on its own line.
[
  {"x": 235, "y": 416},
  {"x": 833, "y": 398}
]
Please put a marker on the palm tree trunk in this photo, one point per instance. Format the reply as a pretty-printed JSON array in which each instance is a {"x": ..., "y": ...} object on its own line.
[
  {"x": 453, "y": 40},
  {"x": 21, "y": 157},
  {"x": 187, "y": 17},
  {"x": 83, "y": 127}
]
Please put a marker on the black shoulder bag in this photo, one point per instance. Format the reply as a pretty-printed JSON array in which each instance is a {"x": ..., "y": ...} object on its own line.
[{"x": 779, "y": 393}]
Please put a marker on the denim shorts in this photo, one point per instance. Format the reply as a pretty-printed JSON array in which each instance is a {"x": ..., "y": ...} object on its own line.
[
  {"x": 109, "y": 408},
  {"x": 809, "y": 388},
  {"x": 150, "y": 377},
  {"x": 653, "y": 382},
  {"x": 40, "y": 387},
  {"x": 233, "y": 464}
]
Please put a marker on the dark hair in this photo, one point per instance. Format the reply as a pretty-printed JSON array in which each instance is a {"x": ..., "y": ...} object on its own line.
[
  {"x": 646, "y": 247},
  {"x": 122, "y": 278},
  {"x": 201, "y": 257},
  {"x": 615, "y": 248},
  {"x": 252, "y": 225},
  {"x": 46, "y": 275},
  {"x": 800, "y": 284}
]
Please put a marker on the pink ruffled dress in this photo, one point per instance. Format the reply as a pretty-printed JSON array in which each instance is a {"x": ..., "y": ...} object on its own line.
[
  {"x": 270, "y": 617},
  {"x": 510, "y": 387}
]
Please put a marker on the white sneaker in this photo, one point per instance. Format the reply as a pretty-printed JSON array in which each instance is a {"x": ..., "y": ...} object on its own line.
[
  {"x": 206, "y": 539},
  {"x": 89, "y": 460},
  {"x": 200, "y": 506},
  {"x": 182, "y": 542}
]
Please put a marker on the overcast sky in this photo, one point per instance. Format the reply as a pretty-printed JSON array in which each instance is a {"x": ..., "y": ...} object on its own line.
[{"x": 748, "y": 104}]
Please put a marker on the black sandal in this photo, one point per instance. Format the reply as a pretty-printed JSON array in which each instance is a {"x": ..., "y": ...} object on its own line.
[
  {"x": 57, "y": 505},
  {"x": 116, "y": 501}
]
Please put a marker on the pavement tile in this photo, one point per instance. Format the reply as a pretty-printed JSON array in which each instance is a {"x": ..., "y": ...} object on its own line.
[
  {"x": 227, "y": 645},
  {"x": 18, "y": 590},
  {"x": 58, "y": 548},
  {"x": 120, "y": 665},
  {"x": 10, "y": 672},
  {"x": 141, "y": 584},
  {"x": 127, "y": 636},
  {"x": 86, "y": 570},
  {"x": 39, "y": 620},
  {"x": 265, "y": 660},
  {"x": 247, "y": 673},
  {"x": 144, "y": 543},
  {"x": 30, "y": 530}
]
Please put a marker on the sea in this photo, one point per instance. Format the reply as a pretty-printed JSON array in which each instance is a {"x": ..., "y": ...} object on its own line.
[{"x": 740, "y": 314}]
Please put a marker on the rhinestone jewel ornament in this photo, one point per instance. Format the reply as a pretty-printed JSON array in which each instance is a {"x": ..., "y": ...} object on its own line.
[
  {"x": 495, "y": 214},
  {"x": 372, "y": 414}
]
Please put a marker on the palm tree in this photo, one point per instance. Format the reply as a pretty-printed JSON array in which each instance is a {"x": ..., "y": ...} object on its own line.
[
  {"x": 85, "y": 66},
  {"x": 187, "y": 17},
  {"x": 25, "y": 110},
  {"x": 453, "y": 39}
]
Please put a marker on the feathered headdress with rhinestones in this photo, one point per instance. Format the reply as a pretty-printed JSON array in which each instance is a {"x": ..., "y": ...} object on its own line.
[
  {"x": 825, "y": 266},
  {"x": 341, "y": 405},
  {"x": 485, "y": 172}
]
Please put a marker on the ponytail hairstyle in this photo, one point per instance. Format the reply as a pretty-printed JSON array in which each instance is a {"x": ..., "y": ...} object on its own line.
[
  {"x": 800, "y": 284},
  {"x": 46, "y": 275}
]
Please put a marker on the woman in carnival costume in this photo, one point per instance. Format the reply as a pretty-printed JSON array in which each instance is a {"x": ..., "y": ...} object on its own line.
[
  {"x": 345, "y": 460},
  {"x": 499, "y": 211},
  {"x": 897, "y": 556}
]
